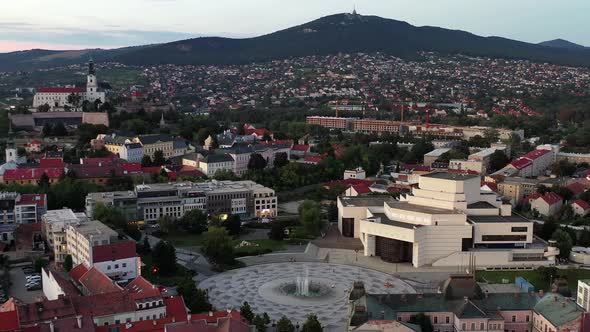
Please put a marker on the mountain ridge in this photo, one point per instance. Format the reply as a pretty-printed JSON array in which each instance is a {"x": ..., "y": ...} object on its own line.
[
  {"x": 562, "y": 43},
  {"x": 338, "y": 33}
]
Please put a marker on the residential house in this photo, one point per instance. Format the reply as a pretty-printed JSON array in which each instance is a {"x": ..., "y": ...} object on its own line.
[
  {"x": 548, "y": 204},
  {"x": 580, "y": 207}
]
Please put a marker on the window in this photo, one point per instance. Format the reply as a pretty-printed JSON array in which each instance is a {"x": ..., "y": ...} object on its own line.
[
  {"x": 527, "y": 318},
  {"x": 472, "y": 326},
  {"x": 117, "y": 321},
  {"x": 447, "y": 319},
  {"x": 124, "y": 264},
  {"x": 464, "y": 327},
  {"x": 435, "y": 320},
  {"x": 506, "y": 238},
  {"x": 108, "y": 267},
  {"x": 513, "y": 318},
  {"x": 519, "y": 229},
  {"x": 482, "y": 326}
]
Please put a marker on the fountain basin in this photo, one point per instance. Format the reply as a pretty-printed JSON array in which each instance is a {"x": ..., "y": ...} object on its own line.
[{"x": 320, "y": 290}]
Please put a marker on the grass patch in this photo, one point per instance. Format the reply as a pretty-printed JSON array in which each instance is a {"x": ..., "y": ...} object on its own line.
[
  {"x": 265, "y": 246},
  {"x": 158, "y": 278},
  {"x": 535, "y": 277},
  {"x": 181, "y": 238}
]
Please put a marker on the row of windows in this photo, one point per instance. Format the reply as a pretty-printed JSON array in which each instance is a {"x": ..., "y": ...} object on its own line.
[{"x": 116, "y": 266}]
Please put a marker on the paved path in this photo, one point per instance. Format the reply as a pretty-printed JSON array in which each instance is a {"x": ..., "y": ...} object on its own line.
[
  {"x": 191, "y": 258},
  {"x": 261, "y": 286}
]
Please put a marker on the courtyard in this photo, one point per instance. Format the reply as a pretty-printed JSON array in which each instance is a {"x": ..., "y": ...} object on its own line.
[{"x": 266, "y": 287}]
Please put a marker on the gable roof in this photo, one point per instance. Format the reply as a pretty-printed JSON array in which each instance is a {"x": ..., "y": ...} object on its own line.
[
  {"x": 582, "y": 204},
  {"x": 114, "y": 251},
  {"x": 77, "y": 272},
  {"x": 140, "y": 288},
  {"x": 551, "y": 198},
  {"x": 96, "y": 282},
  {"x": 576, "y": 188}
]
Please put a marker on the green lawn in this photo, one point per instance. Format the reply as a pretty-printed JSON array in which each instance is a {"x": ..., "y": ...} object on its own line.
[
  {"x": 535, "y": 277},
  {"x": 264, "y": 246},
  {"x": 181, "y": 239}
]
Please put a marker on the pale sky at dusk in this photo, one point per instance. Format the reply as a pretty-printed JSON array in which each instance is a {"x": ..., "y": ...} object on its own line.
[{"x": 68, "y": 24}]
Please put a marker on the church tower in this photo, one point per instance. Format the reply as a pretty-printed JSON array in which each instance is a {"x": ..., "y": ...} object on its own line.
[{"x": 91, "y": 83}]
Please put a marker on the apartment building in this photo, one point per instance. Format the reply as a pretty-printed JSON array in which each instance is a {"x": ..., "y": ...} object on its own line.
[
  {"x": 55, "y": 223},
  {"x": 443, "y": 221},
  {"x": 81, "y": 237},
  {"x": 18, "y": 208},
  {"x": 515, "y": 189},
  {"x": 150, "y": 202},
  {"x": 330, "y": 122}
]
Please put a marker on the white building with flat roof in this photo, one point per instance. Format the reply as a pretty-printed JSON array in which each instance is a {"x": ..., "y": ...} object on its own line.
[{"x": 441, "y": 223}]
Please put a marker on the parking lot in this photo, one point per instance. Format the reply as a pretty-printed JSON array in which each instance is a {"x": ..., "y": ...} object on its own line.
[{"x": 18, "y": 290}]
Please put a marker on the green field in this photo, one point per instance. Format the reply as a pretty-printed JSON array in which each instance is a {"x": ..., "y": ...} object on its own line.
[
  {"x": 535, "y": 277},
  {"x": 264, "y": 246},
  {"x": 184, "y": 239}
]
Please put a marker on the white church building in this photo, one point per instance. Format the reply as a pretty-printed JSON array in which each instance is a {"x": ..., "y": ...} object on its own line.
[{"x": 57, "y": 97}]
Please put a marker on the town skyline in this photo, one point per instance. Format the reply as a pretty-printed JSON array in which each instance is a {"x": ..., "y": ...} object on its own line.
[{"x": 86, "y": 25}]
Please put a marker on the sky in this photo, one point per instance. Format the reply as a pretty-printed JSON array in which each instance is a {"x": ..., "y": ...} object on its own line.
[{"x": 75, "y": 24}]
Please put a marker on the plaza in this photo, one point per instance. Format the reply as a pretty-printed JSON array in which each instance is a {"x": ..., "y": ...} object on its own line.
[{"x": 261, "y": 285}]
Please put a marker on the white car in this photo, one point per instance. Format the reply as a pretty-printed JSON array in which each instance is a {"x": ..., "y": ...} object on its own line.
[
  {"x": 37, "y": 277},
  {"x": 32, "y": 283}
]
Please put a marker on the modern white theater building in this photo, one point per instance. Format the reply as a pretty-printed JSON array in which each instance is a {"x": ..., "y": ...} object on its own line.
[{"x": 443, "y": 222}]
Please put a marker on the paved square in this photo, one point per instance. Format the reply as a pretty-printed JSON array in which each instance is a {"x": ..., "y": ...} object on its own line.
[{"x": 257, "y": 284}]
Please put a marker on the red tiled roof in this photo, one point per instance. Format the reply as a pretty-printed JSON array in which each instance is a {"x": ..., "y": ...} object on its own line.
[
  {"x": 97, "y": 282},
  {"x": 157, "y": 325},
  {"x": 536, "y": 154},
  {"x": 152, "y": 169},
  {"x": 37, "y": 199},
  {"x": 61, "y": 90},
  {"x": 176, "y": 308},
  {"x": 140, "y": 288},
  {"x": 492, "y": 185},
  {"x": 361, "y": 189},
  {"x": 112, "y": 252},
  {"x": 551, "y": 198},
  {"x": 51, "y": 162},
  {"x": 314, "y": 159},
  {"x": 576, "y": 188},
  {"x": 131, "y": 167},
  {"x": 300, "y": 147},
  {"x": 348, "y": 182},
  {"x": 66, "y": 286},
  {"x": 532, "y": 197},
  {"x": 9, "y": 321},
  {"x": 77, "y": 272},
  {"x": 46, "y": 310},
  {"x": 31, "y": 173},
  {"x": 104, "y": 304},
  {"x": 581, "y": 203},
  {"x": 98, "y": 161},
  {"x": 521, "y": 163},
  {"x": 416, "y": 167},
  {"x": 90, "y": 172}
]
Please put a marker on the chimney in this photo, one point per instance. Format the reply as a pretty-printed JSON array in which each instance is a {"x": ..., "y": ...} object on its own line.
[
  {"x": 188, "y": 317},
  {"x": 79, "y": 321},
  {"x": 210, "y": 313},
  {"x": 154, "y": 322},
  {"x": 51, "y": 326}
]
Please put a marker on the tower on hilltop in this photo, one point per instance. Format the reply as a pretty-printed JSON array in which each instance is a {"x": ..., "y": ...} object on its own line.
[{"x": 91, "y": 84}]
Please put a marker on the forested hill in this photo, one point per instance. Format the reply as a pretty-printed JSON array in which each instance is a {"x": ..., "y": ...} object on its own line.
[
  {"x": 349, "y": 33},
  {"x": 340, "y": 33}
]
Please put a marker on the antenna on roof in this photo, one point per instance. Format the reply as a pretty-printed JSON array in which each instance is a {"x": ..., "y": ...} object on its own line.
[{"x": 354, "y": 10}]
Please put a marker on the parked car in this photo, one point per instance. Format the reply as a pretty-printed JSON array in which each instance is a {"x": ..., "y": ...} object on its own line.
[
  {"x": 32, "y": 283},
  {"x": 34, "y": 287},
  {"x": 33, "y": 277}
]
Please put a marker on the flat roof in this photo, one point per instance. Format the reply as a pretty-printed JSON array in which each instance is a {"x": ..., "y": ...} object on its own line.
[
  {"x": 387, "y": 221},
  {"x": 420, "y": 208},
  {"x": 481, "y": 205},
  {"x": 450, "y": 176},
  {"x": 365, "y": 201},
  {"x": 490, "y": 219}
]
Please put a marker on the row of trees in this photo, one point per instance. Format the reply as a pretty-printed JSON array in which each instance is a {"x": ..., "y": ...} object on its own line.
[{"x": 284, "y": 324}]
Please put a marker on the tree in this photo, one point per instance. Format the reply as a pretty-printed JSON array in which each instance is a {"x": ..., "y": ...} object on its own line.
[
  {"x": 423, "y": 321},
  {"x": 260, "y": 323},
  {"x": 564, "y": 242},
  {"x": 47, "y": 129},
  {"x": 246, "y": 312},
  {"x": 549, "y": 227},
  {"x": 312, "y": 324},
  {"x": 277, "y": 231},
  {"x": 159, "y": 159},
  {"x": 146, "y": 161},
  {"x": 164, "y": 258},
  {"x": 281, "y": 159},
  {"x": 311, "y": 217},
  {"x": 284, "y": 325},
  {"x": 44, "y": 183},
  {"x": 194, "y": 221},
  {"x": 59, "y": 130},
  {"x": 145, "y": 248},
  {"x": 256, "y": 162},
  {"x": 498, "y": 160},
  {"x": 68, "y": 263},
  {"x": 332, "y": 212},
  {"x": 224, "y": 174},
  {"x": 233, "y": 224},
  {"x": 491, "y": 135},
  {"x": 196, "y": 299},
  {"x": 44, "y": 108},
  {"x": 218, "y": 245},
  {"x": 40, "y": 263},
  {"x": 74, "y": 99},
  {"x": 166, "y": 224},
  {"x": 584, "y": 240}
]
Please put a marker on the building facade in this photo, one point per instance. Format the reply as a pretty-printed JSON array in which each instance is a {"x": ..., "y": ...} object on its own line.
[{"x": 446, "y": 219}]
